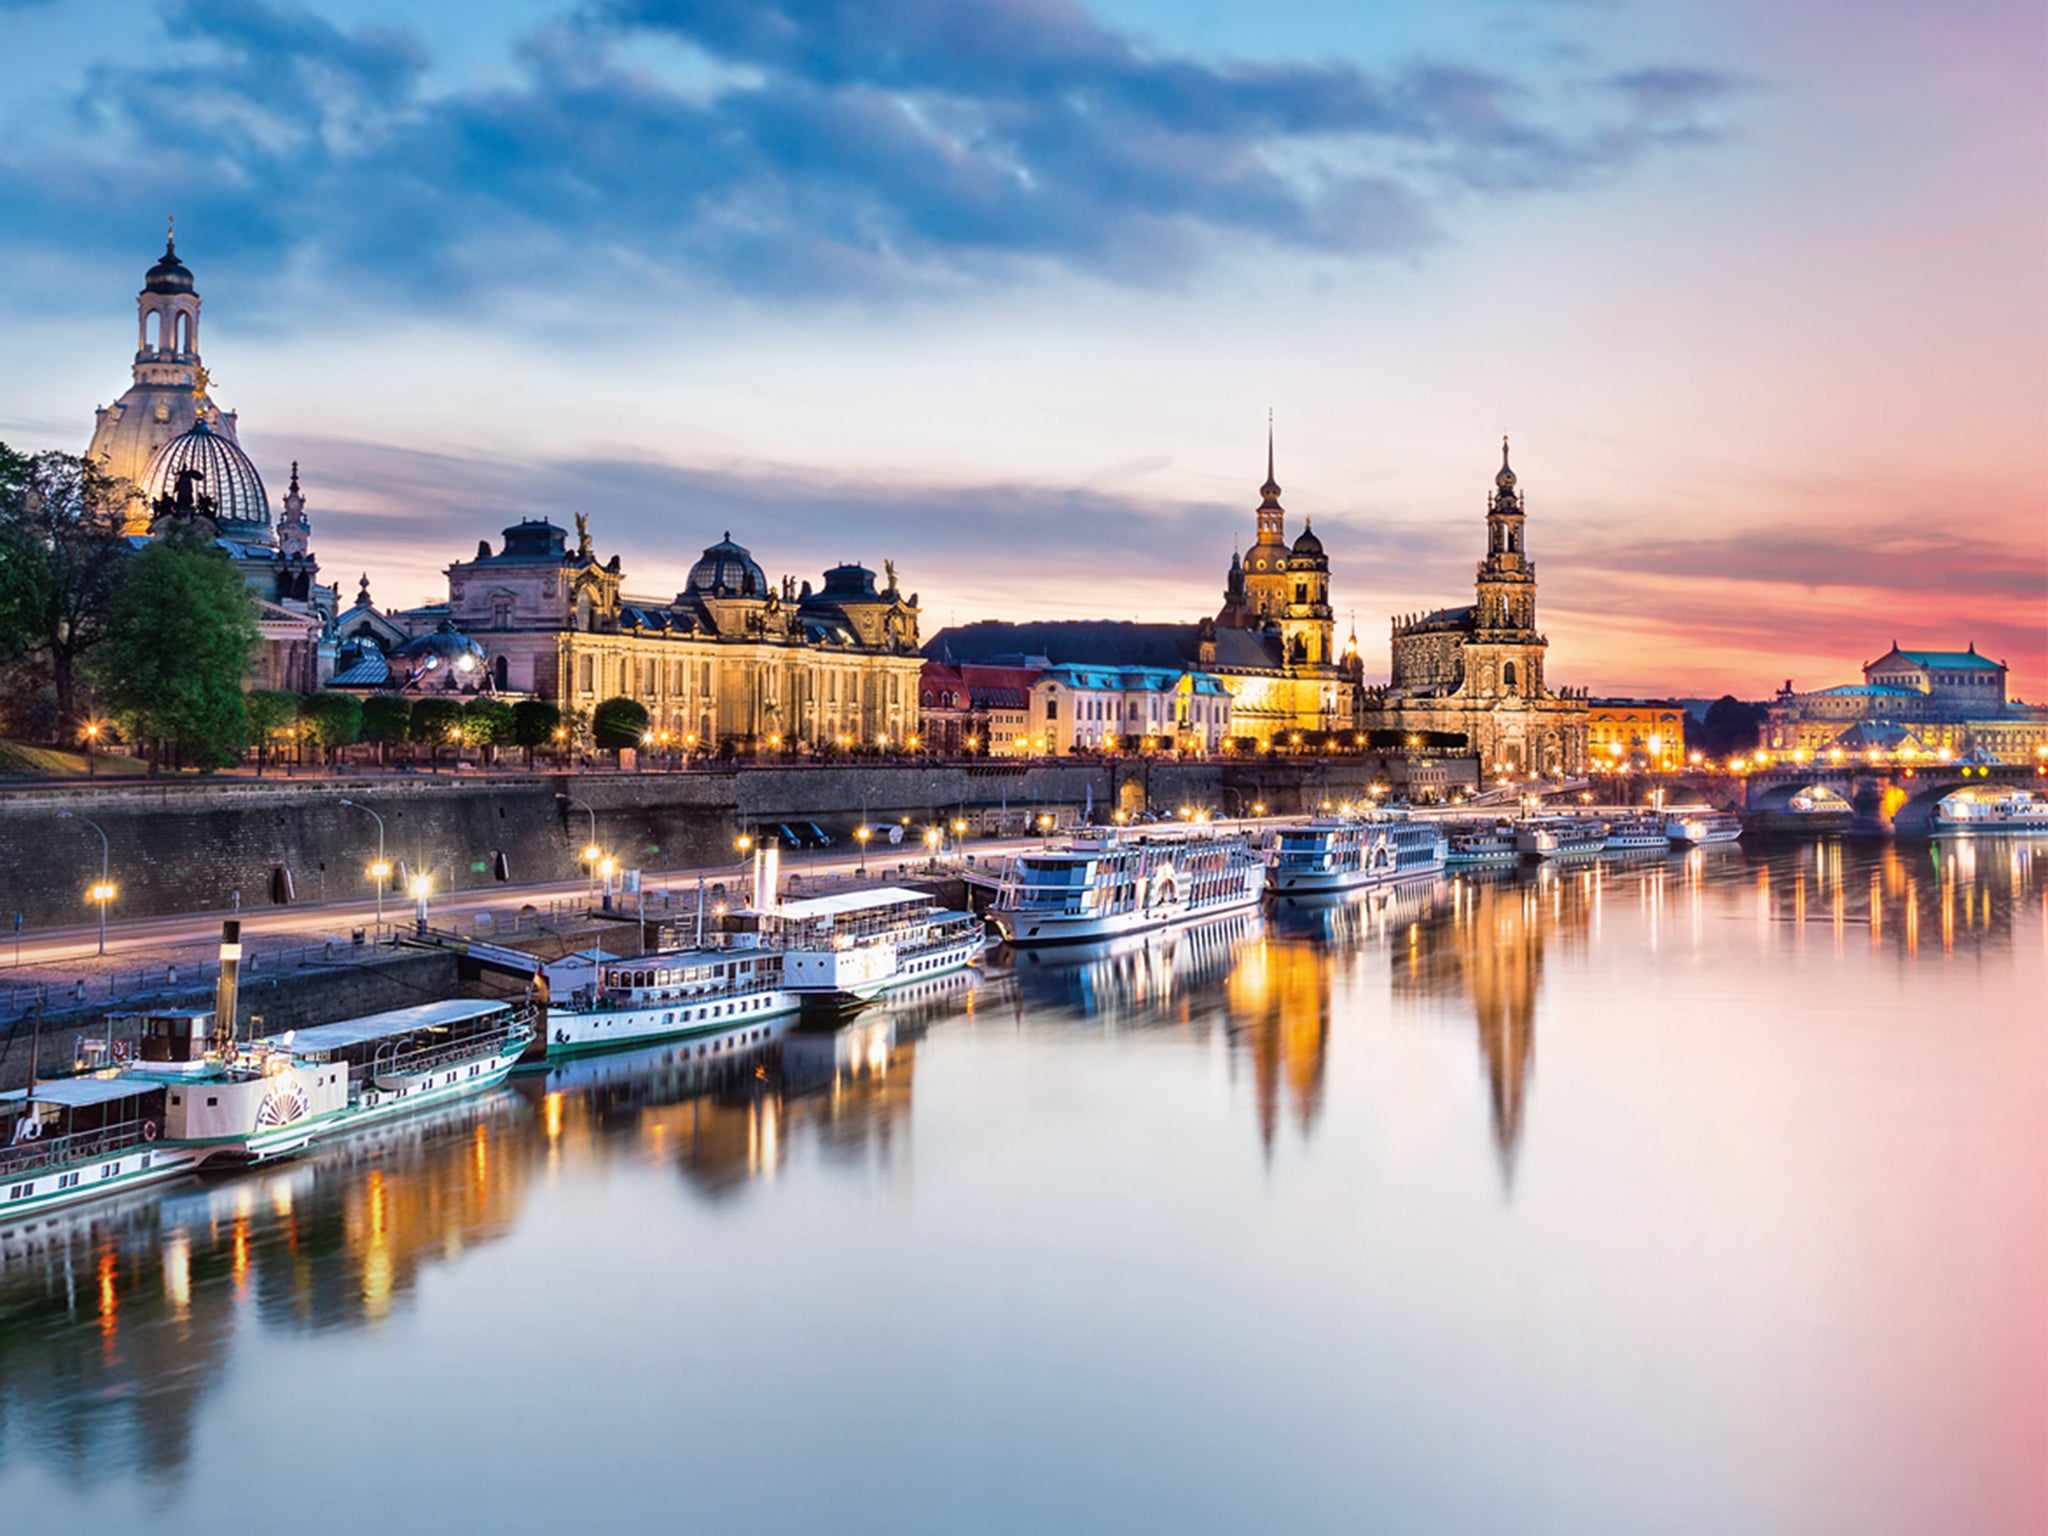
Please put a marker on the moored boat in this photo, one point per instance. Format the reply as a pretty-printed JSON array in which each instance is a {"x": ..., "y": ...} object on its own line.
[
  {"x": 1560, "y": 837},
  {"x": 1694, "y": 826},
  {"x": 1102, "y": 885},
  {"x": 2019, "y": 814},
  {"x": 1341, "y": 853},
  {"x": 1637, "y": 833},
  {"x": 1487, "y": 843},
  {"x": 81, "y": 1138}
]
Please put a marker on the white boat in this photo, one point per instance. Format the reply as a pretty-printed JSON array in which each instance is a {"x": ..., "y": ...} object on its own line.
[
  {"x": 1341, "y": 853},
  {"x": 1491, "y": 843},
  {"x": 1105, "y": 884},
  {"x": 1693, "y": 826},
  {"x": 1560, "y": 837},
  {"x": 2018, "y": 814},
  {"x": 332, "y": 1079},
  {"x": 664, "y": 995},
  {"x": 82, "y": 1138},
  {"x": 1637, "y": 834},
  {"x": 854, "y": 946}
]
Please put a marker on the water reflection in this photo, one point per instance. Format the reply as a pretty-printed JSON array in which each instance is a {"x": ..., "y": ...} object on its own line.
[{"x": 1281, "y": 1039}]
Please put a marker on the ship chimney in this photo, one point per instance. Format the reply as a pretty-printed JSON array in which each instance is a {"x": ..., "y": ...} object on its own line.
[{"x": 230, "y": 978}]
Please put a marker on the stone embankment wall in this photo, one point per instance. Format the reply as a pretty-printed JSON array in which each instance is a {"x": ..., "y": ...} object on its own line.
[{"x": 199, "y": 846}]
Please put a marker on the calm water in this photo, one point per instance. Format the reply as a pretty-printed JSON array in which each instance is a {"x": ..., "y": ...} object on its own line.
[{"x": 1679, "y": 1196}]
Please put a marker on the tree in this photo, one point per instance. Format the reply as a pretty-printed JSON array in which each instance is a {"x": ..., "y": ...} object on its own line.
[
  {"x": 269, "y": 710},
  {"x": 1731, "y": 727},
  {"x": 616, "y": 724},
  {"x": 487, "y": 723},
  {"x": 387, "y": 718},
  {"x": 61, "y": 557},
  {"x": 331, "y": 720},
  {"x": 434, "y": 723},
  {"x": 534, "y": 723},
  {"x": 180, "y": 629}
]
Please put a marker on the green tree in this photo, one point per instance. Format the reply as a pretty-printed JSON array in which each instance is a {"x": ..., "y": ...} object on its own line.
[
  {"x": 434, "y": 724},
  {"x": 618, "y": 723},
  {"x": 534, "y": 723},
  {"x": 269, "y": 710},
  {"x": 487, "y": 724},
  {"x": 61, "y": 557},
  {"x": 331, "y": 720},
  {"x": 387, "y": 719},
  {"x": 180, "y": 629},
  {"x": 1731, "y": 727}
]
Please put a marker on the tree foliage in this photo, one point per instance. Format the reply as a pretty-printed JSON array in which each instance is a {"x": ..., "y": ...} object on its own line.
[
  {"x": 434, "y": 721},
  {"x": 618, "y": 723},
  {"x": 62, "y": 555},
  {"x": 269, "y": 710},
  {"x": 534, "y": 723},
  {"x": 487, "y": 722},
  {"x": 180, "y": 627},
  {"x": 1731, "y": 727},
  {"x": 331, "y": 720},
  {"x": 387, "y": 718}
]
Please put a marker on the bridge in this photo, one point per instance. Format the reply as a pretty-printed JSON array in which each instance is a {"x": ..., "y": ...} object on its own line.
[{"x": 1884, "y": 799}]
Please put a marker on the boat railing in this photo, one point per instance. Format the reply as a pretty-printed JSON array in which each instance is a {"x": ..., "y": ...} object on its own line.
[
  {"x": 485, "y": 1042},
  {"x": 29, "y": 1156}
]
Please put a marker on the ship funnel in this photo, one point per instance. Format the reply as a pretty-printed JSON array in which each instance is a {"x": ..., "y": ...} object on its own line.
[{"x": 230, "y": 980}]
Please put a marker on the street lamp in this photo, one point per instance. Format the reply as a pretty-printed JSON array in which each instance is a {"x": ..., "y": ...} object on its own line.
[
  {"x": 92, "y": 736},
  {"x": 420, "y": 886},
  {"x": 381, "y": 870},
  {"x": 861, "y": 834},
  {"x": 744, "y": 843},
  {"x": 104, "y": 891}
]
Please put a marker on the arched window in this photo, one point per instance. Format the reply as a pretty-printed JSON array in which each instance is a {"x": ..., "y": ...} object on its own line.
[
  {"x": 1507, "y": 674},
  {"x": 184, "y": 333},
  {"x": 153, "y": 330}
]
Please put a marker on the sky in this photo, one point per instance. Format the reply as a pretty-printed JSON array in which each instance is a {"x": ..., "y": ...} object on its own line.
[{"x": 1005, "y": 291}]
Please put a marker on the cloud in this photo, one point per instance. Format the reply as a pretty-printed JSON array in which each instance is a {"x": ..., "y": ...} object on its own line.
[{"x": 806, "y": 148}]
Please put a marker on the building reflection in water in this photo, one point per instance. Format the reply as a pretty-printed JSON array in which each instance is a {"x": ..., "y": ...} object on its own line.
[{"x": 1952, "y": 896}]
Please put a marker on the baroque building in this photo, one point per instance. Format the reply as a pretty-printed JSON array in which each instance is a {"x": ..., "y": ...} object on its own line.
[
  {"x": 1918, "y": 701},
  {"x": 183, "y": 463},
  {"x": 1477, "y": 670},
  {"x": 733, "y": 659},
  {"x": 1270, "y": 649}
]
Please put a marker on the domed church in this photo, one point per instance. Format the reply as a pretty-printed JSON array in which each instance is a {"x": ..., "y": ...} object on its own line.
[{"x": 180, "y": 455}]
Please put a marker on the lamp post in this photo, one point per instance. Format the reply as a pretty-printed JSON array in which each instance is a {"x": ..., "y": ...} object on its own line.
[
  {"x": 103, "y": 892},
  {"x": 92, "y": 736},
  {"x": 381, "y": 870},
  {"x": 420, "y": 886},
  {"x": 861, "y": 834}
]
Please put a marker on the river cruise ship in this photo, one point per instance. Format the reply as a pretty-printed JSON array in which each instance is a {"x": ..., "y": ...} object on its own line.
[
  {"x": 2015, "y": 815},
  {"x": 332, "y": 1079},
  {"x": 1489, "y": 843},
  {"x": 853, "y": 946},
  {"x": 81, "y": 1138},
  {"x": 1560, "y": 837},
  {"x": 1101, "y": 885},
  {"x": 1694, "y": 826},
  {"x": 1643, "y": 833},
  {"x": 1340, "y": 853}
]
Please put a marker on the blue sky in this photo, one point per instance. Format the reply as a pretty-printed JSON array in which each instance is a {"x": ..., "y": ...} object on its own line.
[{"x": 1004, "y": 291}]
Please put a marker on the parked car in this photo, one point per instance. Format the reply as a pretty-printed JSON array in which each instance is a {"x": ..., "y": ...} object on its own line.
[{"x": 815, "y": 835}]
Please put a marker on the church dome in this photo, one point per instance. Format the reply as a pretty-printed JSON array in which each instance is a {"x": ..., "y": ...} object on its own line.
[
  {"x": 227, "y": 480},
  {"x": 169, "y": 275},
  {"x": 445, "y": 654},
  {"x": 1308, "y": 545},
  {"x": 727, "y": 570}
]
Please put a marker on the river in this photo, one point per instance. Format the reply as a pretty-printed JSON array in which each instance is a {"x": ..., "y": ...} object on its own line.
[{"x": 1694, "y": 1194}]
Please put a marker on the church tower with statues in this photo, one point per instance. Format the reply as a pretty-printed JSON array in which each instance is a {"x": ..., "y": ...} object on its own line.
[
  {"x": 182, "y": 461},
  {"x": 1477, "y": 671}
]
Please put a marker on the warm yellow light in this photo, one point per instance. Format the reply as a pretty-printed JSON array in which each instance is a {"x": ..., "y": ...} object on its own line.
[
  {"x": 102, "y": 890},
  {"x": 931, "y": 837},
  {"x": 592, "y": 853},
  {"x": 863, "y": 833},
  {"x": 561, "y": 734},
  {"x": 743, "y": 843},
  {"x": 420, "y": 885},
  {"x": 959, "y": 827},
  {"x": 606, "y": 866},
  {"x": 380, "y": 871},
  {"x": 1259, "y": 808}
]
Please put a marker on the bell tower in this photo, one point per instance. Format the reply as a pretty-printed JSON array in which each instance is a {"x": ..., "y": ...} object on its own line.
[
  {"x": 167, "y": 324},
  {"x": 1266, "y": 586},
  {"x": 1505, "y": 653}
]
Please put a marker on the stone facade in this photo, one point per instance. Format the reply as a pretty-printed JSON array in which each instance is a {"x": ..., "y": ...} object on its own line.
[
  {"x": 731, "y": 660},
  {"x": 1477, "y": 671},
  {"x": 1636, "y": 733},
  {"x": 1935, "y": 702}
]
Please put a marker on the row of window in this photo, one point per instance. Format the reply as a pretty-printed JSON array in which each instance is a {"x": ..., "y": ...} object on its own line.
[{"x": 66, "y": 1181}]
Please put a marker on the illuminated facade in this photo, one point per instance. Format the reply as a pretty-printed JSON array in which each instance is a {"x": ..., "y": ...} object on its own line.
[
  {"x": 1477, "y": 671},
  {"x": 732, "y": 660},
  {"x": 1635, "y": 733},
  {"x": 1911, "y": 702}
]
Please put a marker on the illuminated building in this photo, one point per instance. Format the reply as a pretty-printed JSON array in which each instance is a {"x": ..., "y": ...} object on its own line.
[
  {"x": 1912, "y": 703},
  {"x": 1635, "y": 733}
]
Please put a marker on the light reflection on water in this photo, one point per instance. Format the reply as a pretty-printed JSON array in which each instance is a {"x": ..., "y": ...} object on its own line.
[{"x": 1687, "y": 1194}]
